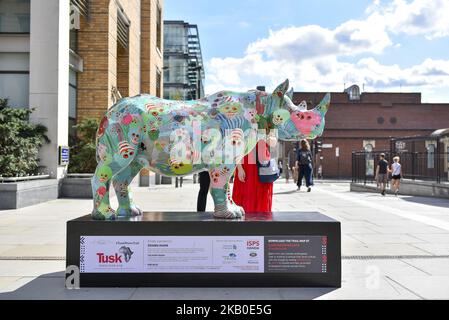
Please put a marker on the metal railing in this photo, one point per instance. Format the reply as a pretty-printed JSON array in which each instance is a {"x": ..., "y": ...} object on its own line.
[{"x": 423, "y": 166}]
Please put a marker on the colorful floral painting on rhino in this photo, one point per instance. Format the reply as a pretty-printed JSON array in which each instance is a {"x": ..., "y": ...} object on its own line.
[{"x": 176, "y": 138}]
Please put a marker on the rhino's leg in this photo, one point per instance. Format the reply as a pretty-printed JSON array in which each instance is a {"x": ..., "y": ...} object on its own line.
[
  {"x": 121, "y": 183},
  {"x": 225, "y": 208},
  {"x": 101, "y": 182}
]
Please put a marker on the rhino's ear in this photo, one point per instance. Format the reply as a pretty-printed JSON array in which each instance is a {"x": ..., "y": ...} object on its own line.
[
  {"x": 290, "y": 94},
  {"x": 281, "y": 89}
]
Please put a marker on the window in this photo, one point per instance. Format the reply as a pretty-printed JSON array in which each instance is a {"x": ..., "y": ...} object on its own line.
[
  {"x": 15, "y": 16},
  {"x": 123, "y": 24},
  {"x": 353, "y": 92},
  {"x": 14, "y": 78},
  {"x": 73, "y": 40},
  {"x": 72, "y": 103},
  {"x": 159, "y": 29},
  {"x": 158, "y": 83}
]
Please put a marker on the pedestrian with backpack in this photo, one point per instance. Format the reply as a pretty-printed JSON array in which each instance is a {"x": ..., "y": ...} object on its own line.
[{"x": 304, "y": 164}]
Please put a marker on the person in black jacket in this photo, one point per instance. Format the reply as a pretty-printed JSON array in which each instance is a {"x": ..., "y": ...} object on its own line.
[{"x": 304, "y": 165}]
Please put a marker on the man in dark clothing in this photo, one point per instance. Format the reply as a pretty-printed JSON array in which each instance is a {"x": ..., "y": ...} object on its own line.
[
  {"x": 204, "y": 179},
  {"x": 304, "y": 164},
  {"x": 382, "y": 173}
]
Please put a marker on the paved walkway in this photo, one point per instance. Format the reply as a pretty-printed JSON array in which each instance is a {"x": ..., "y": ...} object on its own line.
[{"x": 393, "y": 247}]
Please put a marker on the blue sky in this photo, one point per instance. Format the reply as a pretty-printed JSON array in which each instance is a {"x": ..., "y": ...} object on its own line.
[{"x": 321, "y": 45}]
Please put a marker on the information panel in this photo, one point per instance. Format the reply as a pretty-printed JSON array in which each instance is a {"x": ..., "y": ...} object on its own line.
[
  {"x": 203, "y": 254},
  {"x": 298, "y": 254}
]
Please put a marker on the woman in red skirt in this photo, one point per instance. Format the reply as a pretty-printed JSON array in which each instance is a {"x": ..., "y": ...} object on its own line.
[{"x": 248, "y": 192}]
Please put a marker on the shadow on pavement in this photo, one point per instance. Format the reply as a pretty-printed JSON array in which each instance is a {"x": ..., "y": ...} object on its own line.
[
  {"x": 287, "y": 192},
  {"x": 431, "y": 201},
  {"x": 51, "y": 286}
]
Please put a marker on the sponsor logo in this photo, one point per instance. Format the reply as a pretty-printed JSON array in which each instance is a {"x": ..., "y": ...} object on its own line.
[
  {"x": 123, "y": 254},
  {"x": 113, "y": 258},
  {"x": 252, "y": 244},
  {"x": 232, "y": 255},
  {"x": 253, "y": 254},
  {"x": 229, "y": 247}
]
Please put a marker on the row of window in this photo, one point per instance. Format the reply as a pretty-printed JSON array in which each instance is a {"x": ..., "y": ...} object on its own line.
[
  {"x": 14, "y": 78},
  {"x": 15, "y": 16}
]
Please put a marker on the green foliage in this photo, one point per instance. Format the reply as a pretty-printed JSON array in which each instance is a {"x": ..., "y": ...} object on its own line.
[
  {"x": 83, "y": 148},
  {"x": 20, "y": 141}
]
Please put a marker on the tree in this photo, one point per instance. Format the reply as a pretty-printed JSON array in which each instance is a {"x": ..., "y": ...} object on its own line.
[
  {"x": 20, "y": 141},
  {"x": 83, "y": 149}
]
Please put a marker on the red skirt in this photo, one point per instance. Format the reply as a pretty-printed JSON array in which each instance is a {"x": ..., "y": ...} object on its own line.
[{"x": 253, "y": 195}]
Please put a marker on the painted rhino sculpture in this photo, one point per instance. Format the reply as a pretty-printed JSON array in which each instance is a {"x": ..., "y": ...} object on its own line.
[{"x": 176, "y": 138}]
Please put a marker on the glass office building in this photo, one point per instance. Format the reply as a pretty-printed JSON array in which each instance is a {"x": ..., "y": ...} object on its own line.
[{"x": 183, "y": 61}]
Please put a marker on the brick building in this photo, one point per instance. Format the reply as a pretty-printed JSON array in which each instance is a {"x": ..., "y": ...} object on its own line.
[
  {"x": 120, "y": 43},
  {"x": 368, "y": 121},
  {"x": 71, "y": 59}
]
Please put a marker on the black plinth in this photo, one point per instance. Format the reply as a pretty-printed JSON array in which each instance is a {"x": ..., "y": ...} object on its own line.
[{"x": 188, "y": 249}]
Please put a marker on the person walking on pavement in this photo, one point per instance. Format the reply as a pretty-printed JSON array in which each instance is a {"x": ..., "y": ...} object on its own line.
[
  {"x": 395, "y": 175},
  {"x": 291, "y": 166},
  {"x": 382, "y": 173},
  {"x": 304, "y": 165}
]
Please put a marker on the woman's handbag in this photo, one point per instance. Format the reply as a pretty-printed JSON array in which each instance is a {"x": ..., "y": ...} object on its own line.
[{"x": 268, "y": 170}]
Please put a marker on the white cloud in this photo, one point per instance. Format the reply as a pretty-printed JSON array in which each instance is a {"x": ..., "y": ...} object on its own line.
[
  {"x": 299, "y": 43},
  {"x": 419, "y": 17},
  {"x": 311, "y": 56}
]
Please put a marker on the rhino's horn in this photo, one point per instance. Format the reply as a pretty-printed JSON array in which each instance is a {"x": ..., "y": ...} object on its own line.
[{"x": 324, "y": 105}]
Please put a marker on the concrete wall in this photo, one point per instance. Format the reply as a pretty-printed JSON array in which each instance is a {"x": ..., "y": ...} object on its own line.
[
  {"x": 49, "y": 76},
  {"x": 27, "y": 193},
  {"x": 79, "y": 188},
  {"x": 412, "y": 188}
]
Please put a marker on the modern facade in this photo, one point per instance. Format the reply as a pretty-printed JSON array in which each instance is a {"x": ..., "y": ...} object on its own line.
[
  {"x": 183, "y": 61},
  {"x": 368, "y": 121},
  {"x": 72, "y": 59}
]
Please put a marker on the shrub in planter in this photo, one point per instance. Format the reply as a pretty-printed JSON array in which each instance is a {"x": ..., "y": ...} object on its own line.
[
  {"x": 20, "y": 141},
  {"x": 82, "y": 149}
]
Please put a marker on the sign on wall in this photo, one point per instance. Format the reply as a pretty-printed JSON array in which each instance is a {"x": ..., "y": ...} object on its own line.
[{"x": 64, "y": 155}]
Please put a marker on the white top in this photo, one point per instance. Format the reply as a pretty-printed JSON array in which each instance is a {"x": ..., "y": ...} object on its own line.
[{"x": 396, "y": 168}]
